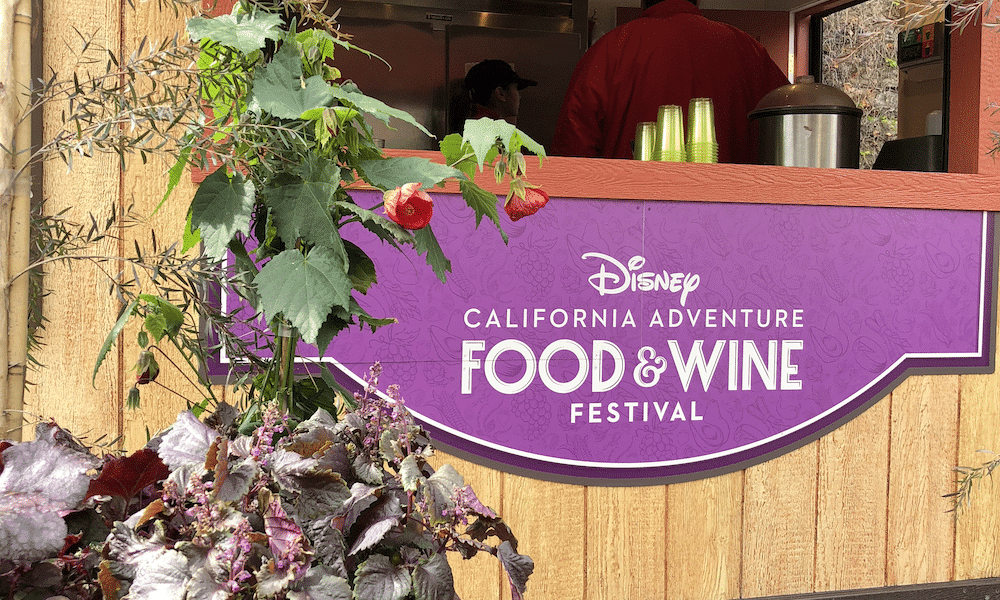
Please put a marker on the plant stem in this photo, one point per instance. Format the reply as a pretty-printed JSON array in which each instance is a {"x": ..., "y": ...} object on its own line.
[{"x": 287, "y": 341}]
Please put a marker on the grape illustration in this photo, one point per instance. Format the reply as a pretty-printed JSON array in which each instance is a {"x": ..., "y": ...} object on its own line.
[
  {"x": 535, "y": 269},
  {"x": 534, "y": 410},
  {"x": 788, "y": 229},
  {"x": 897, "y": 272},
  {"x": 399, "y": 368}
]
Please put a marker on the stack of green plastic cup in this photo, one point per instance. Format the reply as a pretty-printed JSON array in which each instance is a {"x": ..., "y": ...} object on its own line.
[
  {"x": 669, "y": 146},
  {"x": 702, "y": 146},
  {"x": 645, "y": 140}
]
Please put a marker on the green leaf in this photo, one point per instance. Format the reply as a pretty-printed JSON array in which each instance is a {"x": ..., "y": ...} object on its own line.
[
  {"x": 279, "y": 89},
  {"x": 222, "y": 207},
  {"x": 340, "y": 319},
  {"x": 244, "y": 32},
  {"x": 386, "y": 229},
  {"x": 391, "y": 173},
  {"x": 483, "y": 203},
  {"x": 174, "y": 175},
  {"x": 378, "y": 579},
  {"x": 109, "y": 341},
  {"x": 426, "y": 242},
  {"x": 362, "y": 269},
  {"x": 483, "y": 133},
  {"x": 459, "y": 154},
  {"x": 433, "y": 579},
  {"x": 317, "y": 168},
  {"x": 302, "y": 210},
  {"x": 304, "y": 288},
  {"x": 376, "y": 108},
  {"x": 191, "y": 237},
  {"x": 172, "y": 318}
]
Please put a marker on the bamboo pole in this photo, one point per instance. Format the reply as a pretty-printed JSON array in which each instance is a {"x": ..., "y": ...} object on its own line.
[{"x": 15, "y": 206}]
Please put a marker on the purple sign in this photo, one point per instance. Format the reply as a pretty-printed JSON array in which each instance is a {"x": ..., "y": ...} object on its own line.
[{"x": 630, "y": 342}]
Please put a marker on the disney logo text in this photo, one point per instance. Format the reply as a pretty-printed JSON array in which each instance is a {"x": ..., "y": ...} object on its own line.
[{"x": 626, "y": 278}]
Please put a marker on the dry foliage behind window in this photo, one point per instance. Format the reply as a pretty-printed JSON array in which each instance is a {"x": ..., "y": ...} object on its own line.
[{"x": 859, "y": 57}]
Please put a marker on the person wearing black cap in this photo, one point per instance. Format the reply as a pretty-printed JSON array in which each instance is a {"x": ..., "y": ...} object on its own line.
[{"x": 495, "y": 90}]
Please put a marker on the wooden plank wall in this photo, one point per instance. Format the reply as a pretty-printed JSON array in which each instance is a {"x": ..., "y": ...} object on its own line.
[{"x": 860, "y": 507}]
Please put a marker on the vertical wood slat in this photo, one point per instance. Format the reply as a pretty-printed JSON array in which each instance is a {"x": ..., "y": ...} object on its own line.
[
  {"x": 480, "y": 576},
  {"x": 977, "y": 530},
  {"x": 779, "y": 534},
  {"x": 627, "y": 550},
  {"x": 921, "y": 533},
  {"x": 851, "y": 508},
  {"x": 704, "y": 536},
  {"x": 80, "y": 310},
  {"x": 145, "y": 185},
  {"x": 552, "y": 525}
]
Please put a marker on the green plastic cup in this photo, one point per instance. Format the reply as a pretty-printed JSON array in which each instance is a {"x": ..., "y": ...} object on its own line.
[
  {"x": 645, "y": 140},
  {"x": 701, "y": 143},
  {"x": 669, "y": 146}
]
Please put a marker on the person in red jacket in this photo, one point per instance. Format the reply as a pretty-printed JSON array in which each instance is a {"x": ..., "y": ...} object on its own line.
[{"x": 669, "y": 55}]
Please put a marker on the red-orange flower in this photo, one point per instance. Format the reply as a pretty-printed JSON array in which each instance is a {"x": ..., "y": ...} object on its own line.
[
  {"x": 534, "y": 199},
  {"x": 409, "y": 206}
]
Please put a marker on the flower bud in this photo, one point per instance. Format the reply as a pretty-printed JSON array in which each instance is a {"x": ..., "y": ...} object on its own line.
[{"x": 146, "y": 367}]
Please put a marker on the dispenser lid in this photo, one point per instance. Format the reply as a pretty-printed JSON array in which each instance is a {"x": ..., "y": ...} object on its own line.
[{"x": 805, "y": 96}]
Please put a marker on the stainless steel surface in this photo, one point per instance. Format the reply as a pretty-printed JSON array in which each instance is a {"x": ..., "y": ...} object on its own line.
[
  {"x": 810, "y": 140},
  {"x": 808, "y": 124}
]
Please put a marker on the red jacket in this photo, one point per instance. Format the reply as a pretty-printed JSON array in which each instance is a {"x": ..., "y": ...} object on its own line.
[{"x": 667, "y": 56}]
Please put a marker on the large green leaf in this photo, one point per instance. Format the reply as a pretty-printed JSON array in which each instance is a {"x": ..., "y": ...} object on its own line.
[
  {"x": 483, "y": 133},
  {"x": 244, "y": 32},
  {"x": 482, "y": 203},
  {"x": 222, "y": 207},
  {"x": 426, "y": 243},
  {"x": 433, "y": 579},
  {"x": 391, "y": 173},
  {"x": 385, "y": 229},
  {"x": 378, "y": 579},
  {"x": 304, "y": 288},
  {"x": 378, "y": 109},
  {"x": 279, "y": 89},
  {"x": 362, "y": 269},
  {"x": 301, "y": 210},
  {"x": 340, "y": 319}
]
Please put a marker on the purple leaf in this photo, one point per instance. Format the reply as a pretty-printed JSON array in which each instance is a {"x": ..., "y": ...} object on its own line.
[
  {"x": 320, "y": 583},
  {"x": 283, "y": 535},
  {"x": 518, "y": 566},
  {"x": 186, "y": 442},
  {"x": 378, "y": 579},
  {"x": 433, "y": 579},
  {"x": 41, "y": 480}
]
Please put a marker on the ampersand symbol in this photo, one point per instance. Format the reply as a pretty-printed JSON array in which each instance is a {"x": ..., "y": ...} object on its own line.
[{"x": 650, "y": 366}]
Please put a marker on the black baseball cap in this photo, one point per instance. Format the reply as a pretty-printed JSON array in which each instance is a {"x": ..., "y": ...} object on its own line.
[{"x": 486, "y": 76}]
